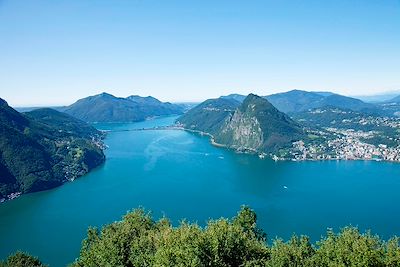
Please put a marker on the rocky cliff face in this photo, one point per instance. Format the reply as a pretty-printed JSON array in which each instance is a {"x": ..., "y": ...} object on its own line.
[
  {"x": 257, "y": 126},
  {"x": 254, "y": 125},
  {"x": 242, "y": 132}
]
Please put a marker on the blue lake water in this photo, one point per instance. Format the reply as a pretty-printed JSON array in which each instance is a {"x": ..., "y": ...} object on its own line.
[{"x": 181, "y": 175}]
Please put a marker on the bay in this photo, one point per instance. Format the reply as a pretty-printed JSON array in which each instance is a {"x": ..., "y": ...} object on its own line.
[{"x": 181, "y": 175}]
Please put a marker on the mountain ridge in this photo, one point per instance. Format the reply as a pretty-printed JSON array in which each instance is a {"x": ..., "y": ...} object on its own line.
[
  {"x": 254, "y": 125},
  {"x": 296, "y": 100},
  {"x": 258, "y": 126},
  {"x": 105, "y": 107}
]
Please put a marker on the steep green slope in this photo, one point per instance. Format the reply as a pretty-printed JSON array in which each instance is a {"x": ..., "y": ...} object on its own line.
[
  {"x": 209, "y": 116},
  {"x": 44, "y": 148},
  {"x": 258, "y": 126},
  {"x": 108, "y": 108},
  {"x": 253, "y": 125}
]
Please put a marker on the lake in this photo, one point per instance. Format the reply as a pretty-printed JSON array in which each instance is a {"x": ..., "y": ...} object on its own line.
[{"x": 181, "y": 175}]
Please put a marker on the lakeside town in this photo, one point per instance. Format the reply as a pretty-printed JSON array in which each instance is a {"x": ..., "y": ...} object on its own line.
[
  {"x": 346, "y": 147},
  {"x": 334, "y": 143}
]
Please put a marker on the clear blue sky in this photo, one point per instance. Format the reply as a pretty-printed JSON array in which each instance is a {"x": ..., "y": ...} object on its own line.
[{"x": 54, "y": 52}]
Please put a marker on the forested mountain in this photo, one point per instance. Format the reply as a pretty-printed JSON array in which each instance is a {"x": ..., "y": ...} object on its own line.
[
  {"x": 298, "y": 101},
  {"x": 256, "y": 125},
  {"x": 155, "y": 107},
  {"x": 44, "y": 148},
  {"x": 210, "y": 115},
  {"x": 108, "y": 108},
  {"x": 253, "y": 125},
  {"x": 294, "y": 101}
]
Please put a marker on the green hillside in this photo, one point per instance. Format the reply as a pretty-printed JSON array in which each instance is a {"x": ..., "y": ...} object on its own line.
[
  {"x": 209, "y": 116},
  {"x": 254, "y": 125},
  {"x": 258, "y": 126},
  {"x": 108, "y": 108},
  {"x": 44, "y": 148}
]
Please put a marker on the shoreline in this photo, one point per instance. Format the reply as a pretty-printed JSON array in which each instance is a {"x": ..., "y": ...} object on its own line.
[
  {"x": 263, "y": 155},
  {"x": 15, "y": 195}
]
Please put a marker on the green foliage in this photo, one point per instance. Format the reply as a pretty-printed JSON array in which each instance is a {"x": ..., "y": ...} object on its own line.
[
  {"x": 209, "y": 116},
  {"x": 35, "y": 149},
  {"x": 21, "y": 259},
  {"x": 350, "y": 248},
  {"x": 298, "y": 251},
  {"x": 392, "y": 256},
  {"x": 138, "y": 240}
]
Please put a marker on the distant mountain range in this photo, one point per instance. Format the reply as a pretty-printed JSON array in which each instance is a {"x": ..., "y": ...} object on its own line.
[
  {"x": 108, "y": 108},
  {"x": 394, "y": 100},
  {"x": 43, "y": 148},
  {"x": 105, "y": 107},
  {"x": 237, "y": 97},
  {"x": 298, "y": 101},
  {"x": 254, "y": 125},
  {"x": 379, "y": 98}
]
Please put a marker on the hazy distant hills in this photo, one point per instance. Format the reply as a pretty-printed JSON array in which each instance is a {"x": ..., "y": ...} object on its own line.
[
  {"x": 108, "y": 108},
  {"x": 379, "y": 98},
  {"x": 237, "y": 97},
  {"x": 391, "y": 107},
  {"x": 43, "y": 148},
  {"x": 253, "y": 125},
  {"x": 395, "y": 99},
  {"x": 295, "y": 100},
  {"x": 105, "y": 107},
  {"x": 298, "y": 101}
]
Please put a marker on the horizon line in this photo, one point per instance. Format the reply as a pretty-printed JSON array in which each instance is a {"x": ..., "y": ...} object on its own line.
[{"x": 381, "y": 93}]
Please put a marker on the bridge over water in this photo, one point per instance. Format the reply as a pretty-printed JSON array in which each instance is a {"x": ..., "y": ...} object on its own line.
[{"x": 158, "y": 128}]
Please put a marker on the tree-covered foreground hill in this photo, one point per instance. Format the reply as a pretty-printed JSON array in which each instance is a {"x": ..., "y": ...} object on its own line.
[{"x": 138, "y": 240}]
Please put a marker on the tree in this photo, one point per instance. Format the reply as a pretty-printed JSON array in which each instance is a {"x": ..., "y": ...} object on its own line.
[{"x": 21, "y": 259}]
